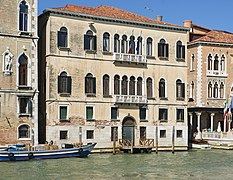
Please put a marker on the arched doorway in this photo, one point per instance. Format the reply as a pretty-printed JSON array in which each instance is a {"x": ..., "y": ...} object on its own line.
[{"x": 128, "y": 126}]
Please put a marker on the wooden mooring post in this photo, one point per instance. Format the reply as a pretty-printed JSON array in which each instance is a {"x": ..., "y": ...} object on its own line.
[
  {"x": 156, "y": 140},
  {"x": 173, "y": 139},
  {"x": 114, "y": 141}
]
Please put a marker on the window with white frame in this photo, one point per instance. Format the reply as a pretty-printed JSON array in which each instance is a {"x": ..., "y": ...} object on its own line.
[
  {"x": 63, "y": 113},
  {"x": 124, "y": 44},
  {"x": 179, "y": 133},
  {"x": 149, "y": 46},
  {"x": 192, "y": 60},
  {"x": 180, "y": 115},
  {"x": 163, "y": 114},
  {"x": 90, "y": 41},
  {"x": 216, "y": 89},
  {"x": 180, "y": 50},
  {"x": 63, "y": 134},
  {"x": 114, "y": 113},
  {"x": 162, "y": 133},
  {"x": 180, "y": 90},
  {"x": 90, "y": 134},
  {"x": 24, "y": 131},
  {"x": 25, "y": 106},
  {"x": 191, "y": 90},
  {"x": 62, "y": 37},
  {"x": 23, "y": 70},
  {"x": 116, "y": 43},
  {"x": 106, "y": 42},
  {"x": 89, "y": 113},
  {"x": 163, "y": 49},
  {"x": 23, "y": 16}
]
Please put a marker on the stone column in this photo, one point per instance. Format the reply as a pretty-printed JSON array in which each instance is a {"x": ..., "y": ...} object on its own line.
[
  {"x": 212, "y": 122},
  {"x": 191, "y": 119},
  {"x": 198, "y": 122}
]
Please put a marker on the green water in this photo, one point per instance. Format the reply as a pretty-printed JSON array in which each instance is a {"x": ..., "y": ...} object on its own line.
[{"x": 199, "y": 164}]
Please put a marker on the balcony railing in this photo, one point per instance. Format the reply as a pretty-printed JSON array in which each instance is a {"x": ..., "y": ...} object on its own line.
[
  {"x": 216, "y": 73},
  {"x": 131, "y": 58},
  {"x": 131, "y": 99}
]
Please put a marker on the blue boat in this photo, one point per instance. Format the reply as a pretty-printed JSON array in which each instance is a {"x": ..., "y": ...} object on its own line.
[{"x": 14, "y": 153}]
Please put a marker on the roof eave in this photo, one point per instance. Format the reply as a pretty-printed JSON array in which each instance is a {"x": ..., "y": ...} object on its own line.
[
  {"x": 210, "y": 43},
  {"x": 163, "y": 26}
]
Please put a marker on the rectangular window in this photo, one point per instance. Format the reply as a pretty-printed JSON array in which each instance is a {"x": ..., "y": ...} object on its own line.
[
  {"x": 163, "y": 114},
  {"x": 142, "y": 113},
  {"x": 162, "y": 133},
  {"x": 63, "y": 112},
  {"x": 63, "y": 135},
  {"x": 25, "y": 106},
  {"x": 114, "y": 132},
  {"x": 179, "y": 133},
  {"x": 143, "y": 133},
  {"x": 180, "y": 114},
  {"x": 89, "y": 113},
  {"x": 90, "y": 134},
  {"x": 114, "y": 112}
]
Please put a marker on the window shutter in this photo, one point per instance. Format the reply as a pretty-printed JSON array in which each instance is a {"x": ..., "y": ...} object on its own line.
[
  {"x": 142, "y": 113},
  {"x": 182, "y": 114},
  {"x": 94, "y": 85},
  {"x": 166, "y": 114},
  {"x": 177, "y": 90},
  {"x": 29, "y": 106},
  {"x": 86, "y": 85},
  {"x": 59, "y": 34},
  {"x": 160, "y": 89},
  {"x": 86, "y": 42},
  {"x": 177, "y": 114},
  {"x": 183, "y": 90},
  {"x": 183, "y": 52},
  {"x": 69, "y": 84},
  {"x": 95, "y": 42},
  {"x": 167, "y": 50},
  {"x": 178, "y": 48},
  {"x": 159, "y": 49},
  {"x": 59, "y": 84}
]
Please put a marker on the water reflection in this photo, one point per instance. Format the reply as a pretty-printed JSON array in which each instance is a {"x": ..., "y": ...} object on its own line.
[{"x": 201, "y": 164}]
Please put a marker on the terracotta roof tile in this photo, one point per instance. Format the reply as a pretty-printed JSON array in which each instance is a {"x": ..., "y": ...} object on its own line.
[
  {"x": 216, "y": 36},
  {"x": 111, "y": 12}
]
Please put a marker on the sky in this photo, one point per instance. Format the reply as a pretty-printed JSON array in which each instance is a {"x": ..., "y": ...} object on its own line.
[{"x": 212, "y": 14}]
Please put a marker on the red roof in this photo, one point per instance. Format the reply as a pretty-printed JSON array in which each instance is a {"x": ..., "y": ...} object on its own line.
[
  {"x": 110, "y": 12},
  {"x": 216, "y": 36}
]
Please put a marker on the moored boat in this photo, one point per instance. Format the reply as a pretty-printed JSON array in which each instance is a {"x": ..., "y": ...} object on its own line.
[{"x": 20, "y": 154}]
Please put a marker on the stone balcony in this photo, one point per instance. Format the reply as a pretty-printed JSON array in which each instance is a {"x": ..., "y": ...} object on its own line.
[
  {"x": 131, "y": 99},
  {"x": 130, "y": 58}
]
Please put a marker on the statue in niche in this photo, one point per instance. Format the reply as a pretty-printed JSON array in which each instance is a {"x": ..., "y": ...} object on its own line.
[{"x": 8, "y": 57}]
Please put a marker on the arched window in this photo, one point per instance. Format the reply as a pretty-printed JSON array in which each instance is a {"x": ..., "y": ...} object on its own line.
[
  {"x": 222, "y": 63},
  {"x": 23, "y": 70},
  {"x": 215, "y": 90},
  {"x": 116, "y": 84},
  {"x": 210, "y": 62},
  {"x": 116, "y": 43},
  {"x": 162, "y": 49},
  {"x": 62, "y": 37},
  {"x": 180, "y": 89},
  {"x": 124, "y": 85},
  {"x": 23, "y": 16},
  {"x": 139, "y": 45},
  {"x": 131, "y": 45},
  {"x": 24, "y": 131},
  {"x": 192, "y": 62},
  {"x": 106, "y": 85},
  {"x": 149, "y": 86},
  {"x": 221, "y": 90},
  {"x": 106, "y": 42},
  {"x": 162, "y": 88},
  {"x": 132, "y": 86},
  {"x": 191, "y": 93},
  {"x": 64, "y": 83},
  {"x": 124, "y": 44},
  {"x": 90, "y": 84},
  {"x": 89, "y": 41},
  {"x": 180, "y": 50},
  {"x": 210, "y": 90},
  {"x": 149, "y": 46},
  {"x": 139, "y": 86},
  {"x": 216, "y": 62}
]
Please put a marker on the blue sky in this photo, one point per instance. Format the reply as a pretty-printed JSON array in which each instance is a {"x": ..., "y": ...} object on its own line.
[{"x": 213, "y": 14}]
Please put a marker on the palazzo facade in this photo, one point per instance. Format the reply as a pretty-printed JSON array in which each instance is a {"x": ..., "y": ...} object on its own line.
[{"x": 107, "y": 74}]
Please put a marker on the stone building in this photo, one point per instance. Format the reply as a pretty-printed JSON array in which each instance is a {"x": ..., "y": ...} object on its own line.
[
  {"x": 111, "y": 74},
  {"x": 18, "y": 62},
  {"x": 210, "y": 58}
]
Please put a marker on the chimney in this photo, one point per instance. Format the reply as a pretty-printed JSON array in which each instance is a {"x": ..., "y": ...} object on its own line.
[
  {"x": 159, "y": 18},
  {"x": 188, "y": 23}
]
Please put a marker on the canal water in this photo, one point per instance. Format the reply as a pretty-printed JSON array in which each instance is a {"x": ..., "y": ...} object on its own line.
[{"x": 194, "y": 164}]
